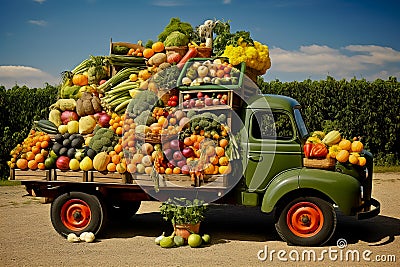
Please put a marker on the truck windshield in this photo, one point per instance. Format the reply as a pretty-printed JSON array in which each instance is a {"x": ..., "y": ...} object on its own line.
[{"x": 300, "y": 123}]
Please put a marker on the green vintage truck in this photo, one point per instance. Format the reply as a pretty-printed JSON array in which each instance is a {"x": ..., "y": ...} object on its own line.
[{"x": 270, "y": 173}]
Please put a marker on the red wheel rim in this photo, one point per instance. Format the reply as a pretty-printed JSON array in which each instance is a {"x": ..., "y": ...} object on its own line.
[
  {"x": 75, "y": 214},
  {"x": 305, "y": 219}
]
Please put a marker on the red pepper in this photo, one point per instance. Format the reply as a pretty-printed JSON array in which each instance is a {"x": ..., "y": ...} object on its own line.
[
  {"x": 307, "y": 149},
  {"x": 319, "y": 150}
]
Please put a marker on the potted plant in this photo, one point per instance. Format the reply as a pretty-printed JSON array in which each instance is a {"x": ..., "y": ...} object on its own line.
[{"x": 185, "y": 215}]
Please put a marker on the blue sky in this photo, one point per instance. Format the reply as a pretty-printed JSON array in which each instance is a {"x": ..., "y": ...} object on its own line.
[{"x": 307, "y": 39}]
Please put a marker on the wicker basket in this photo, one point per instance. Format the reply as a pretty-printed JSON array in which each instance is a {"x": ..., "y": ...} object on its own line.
[
  {"x": 328, "y": 163},
  {"x": 253, "y": 73},
  {"x": 181, "y": 50},
  {"x": 166, "y": 94},
  {"x": 204, "y": 52}
]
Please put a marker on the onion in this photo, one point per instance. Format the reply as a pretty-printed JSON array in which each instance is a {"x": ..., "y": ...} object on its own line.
[
  {"x": 188, "y": 152},
  {"x": 185, "y": 169},
  {"x": 181, "y": 163},
  {"x": 103, "y": 119},
  {"x": 175, "y": 144},
  {"x": 177, "y": 156}
]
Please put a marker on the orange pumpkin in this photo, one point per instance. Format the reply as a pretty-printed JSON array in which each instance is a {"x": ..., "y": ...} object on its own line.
[
  {"x": 219, "y": 151},
  {"x": 362, "y": 161},
  {"x": 223, "y": 161},
  {"x": 343, "y": 156},
  {"x": 357, "y": 146},
  {"x": 80, "y": 79},
  {"x": 353, "y": 158},
  {"x": 209, "y": 169},
  {"x": 345, "y": 144}
]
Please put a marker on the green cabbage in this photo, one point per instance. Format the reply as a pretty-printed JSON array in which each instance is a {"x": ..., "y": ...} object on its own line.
[{"x": 176, "y": 39}]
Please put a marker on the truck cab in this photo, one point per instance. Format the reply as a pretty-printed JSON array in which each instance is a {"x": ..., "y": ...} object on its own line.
[{"x": 303, "y": 199}]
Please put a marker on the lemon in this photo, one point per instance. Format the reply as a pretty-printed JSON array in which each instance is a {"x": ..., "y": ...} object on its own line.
[
  {"x": 194, "y": 240},
  {"x": 206, "y": 238},
  {"x": 167, "y": 242},
  {"x": 74, "y": 164}
]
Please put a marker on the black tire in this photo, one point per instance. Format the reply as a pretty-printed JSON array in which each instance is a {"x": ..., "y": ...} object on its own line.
[
  {"x": 307, "y": 221},
  {"x": 77, "y": 212},
  {"x": 122, "y": 210}
]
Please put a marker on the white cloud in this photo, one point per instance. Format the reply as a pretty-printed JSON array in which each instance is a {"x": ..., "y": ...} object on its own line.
[
  {"x": 366, "y": 61},
  {"x": 169, "y": 3},
  {"x": 24, "y": 75},
  {"x": 226, "y": 2},
  {"x": 39, "y": 1},
  {"x": 37, "y": 22}
]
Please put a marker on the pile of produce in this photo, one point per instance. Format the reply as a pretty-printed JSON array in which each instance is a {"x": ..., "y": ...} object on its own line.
[
  {"x": 332, "y": 145},
  {"x": 124, "y": 112}
]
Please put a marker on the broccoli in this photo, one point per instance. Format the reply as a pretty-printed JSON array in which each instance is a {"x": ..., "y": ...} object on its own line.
[
  {"x": 175, "y": 24},
  {"x": 104, "y": 139},
  {"x": 144, "y": 100},
  {"x": 191, "y": 113}
]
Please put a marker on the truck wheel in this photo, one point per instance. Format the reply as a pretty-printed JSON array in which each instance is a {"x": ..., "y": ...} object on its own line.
[
  {"x": 308, "y": 221},
  {"x": 123, "y": 210},
  {"x": 77, "y": 212}
]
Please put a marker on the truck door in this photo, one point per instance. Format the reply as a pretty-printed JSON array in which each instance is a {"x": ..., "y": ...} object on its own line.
[{"x": 273, "y": 146}]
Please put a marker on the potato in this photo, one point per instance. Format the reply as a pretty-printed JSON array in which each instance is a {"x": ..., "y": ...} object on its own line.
[{"x": 158, "y": 59}]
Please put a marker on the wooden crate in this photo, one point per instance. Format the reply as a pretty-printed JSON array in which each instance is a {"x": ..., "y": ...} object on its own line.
[
  {"x": 69, "y": 176},
  {"x": 129, "y": 45},
  {"x": 30, "y": 175},
  {"x": 181, "y": 181},
  {"x": 109, "y": 177}
]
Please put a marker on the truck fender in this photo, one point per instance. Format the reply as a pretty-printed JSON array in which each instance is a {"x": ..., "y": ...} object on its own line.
[
  {"x": 342, "y": 189},
  {"x": 279, "y": 186}
]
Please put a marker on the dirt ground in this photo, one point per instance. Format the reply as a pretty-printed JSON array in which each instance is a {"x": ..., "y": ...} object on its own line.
[{"x": 240, "y": 237}]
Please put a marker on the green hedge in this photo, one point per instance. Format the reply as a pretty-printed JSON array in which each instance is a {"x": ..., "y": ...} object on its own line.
[
  {"x": 19, "y": 108},
  {"x": 370, "y": 110}
]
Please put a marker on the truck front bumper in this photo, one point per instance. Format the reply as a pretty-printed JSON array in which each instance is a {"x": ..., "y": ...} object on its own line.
[{"x": 367, "y": 211}]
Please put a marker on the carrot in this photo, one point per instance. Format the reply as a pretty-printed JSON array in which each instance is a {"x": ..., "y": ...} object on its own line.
[{"x": 189, "y": 54}]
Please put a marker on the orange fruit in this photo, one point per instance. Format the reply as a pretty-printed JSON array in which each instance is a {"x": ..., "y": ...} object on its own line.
[
  {"x": 36, "y": 149},
  {"x": 22, "y": 164},
  {"x": 32, "y": 164},
  {"x": 158, "y": 47},
  {"x": 30, "y": 155},
  {"x": 176, "y": 170},
  {"x": 39, "y": 158},
  {"x": 44, "y": 144},
  {"x": 116, "y": 159},
  {"x": 188, "y": 141},
  {"x": 148, "y": 52},
  {"x": 118, "y": 131},
  {"x": 168, "y": 171},
  {"x": 118, "y": 148},
  {"x": 111, "y": 167},
  {"x": 214, "y": 160},
  {"x": 223, "y": 143},
  {"x": 41, "y": 166},
  {"x": 219, "y": 151}
]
